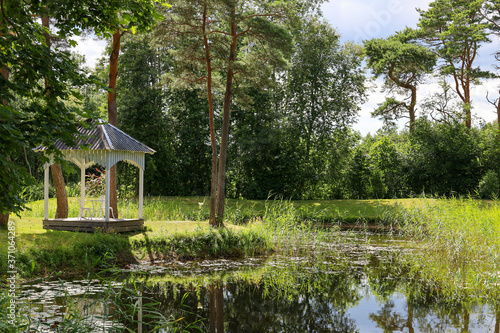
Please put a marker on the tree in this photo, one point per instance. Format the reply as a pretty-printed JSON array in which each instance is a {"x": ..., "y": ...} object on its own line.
[
  {"x": 325, "y": 82},
  {"x": 402, "y": 63},
  {"x": 234, "y": 39},
  {"x": 490, "y": 10},
  {"x": 110, "y": 19},
  {"x": 455, "y": 30},
  {"x": 32, "y": 67},
  {"x": 126, "y": 16},
  {"x": 56, "y": 170},
  {"x": 324, "y": 88}
]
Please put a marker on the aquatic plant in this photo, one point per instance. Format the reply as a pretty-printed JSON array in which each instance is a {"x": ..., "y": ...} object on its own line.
[{"x": 457, "y": 248}]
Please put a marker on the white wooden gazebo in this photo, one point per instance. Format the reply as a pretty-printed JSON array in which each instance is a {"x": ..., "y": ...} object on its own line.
[{"x": 106, "y": 145}]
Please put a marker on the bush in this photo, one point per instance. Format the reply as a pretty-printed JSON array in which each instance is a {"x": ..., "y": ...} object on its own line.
[{"x": 488, "y": 186}]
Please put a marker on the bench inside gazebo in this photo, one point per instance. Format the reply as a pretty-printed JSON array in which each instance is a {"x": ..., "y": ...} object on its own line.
[{"x": 105, "y": 145}]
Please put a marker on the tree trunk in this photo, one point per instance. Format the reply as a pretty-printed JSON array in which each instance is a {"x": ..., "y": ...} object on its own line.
[
  {"x": 4, "y": 219},
  {"x": 411, "y": 108},
  {"x": 211, "y": 306},
  {"x": 221, "y": 186},
  {"x": 113, "y": 115},
  {"x": 498, "y": 114},
  {"x": 213, "y": 187},
  {"x": 219, "y": 305},
  {"x": 62, "y": 197},
  {"x": 57, "y": 175}
]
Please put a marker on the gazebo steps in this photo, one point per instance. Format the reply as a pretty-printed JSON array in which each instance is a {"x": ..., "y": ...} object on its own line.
[{"x": 93, "y": 225}]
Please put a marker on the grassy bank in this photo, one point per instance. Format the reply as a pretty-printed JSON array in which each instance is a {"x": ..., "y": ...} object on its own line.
[
  {"x": 457, "y": 246},
  {"x": 43, "y": 252},
  {"x": 240, "y": 210}
]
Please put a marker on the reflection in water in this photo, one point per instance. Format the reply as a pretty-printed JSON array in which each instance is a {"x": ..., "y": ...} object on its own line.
[
  {"x": 336, "y": 291},
  {"x": 216, "y": 307}
]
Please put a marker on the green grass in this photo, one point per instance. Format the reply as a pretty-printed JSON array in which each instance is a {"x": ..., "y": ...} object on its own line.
[
  {"x": 457, "y": 241},
  {"x": 458, "y": 244},
  {"x": 240, "y": 210}
]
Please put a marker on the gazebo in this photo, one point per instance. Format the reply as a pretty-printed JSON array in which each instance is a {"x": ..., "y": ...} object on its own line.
[{"x": 104, "y": 144}]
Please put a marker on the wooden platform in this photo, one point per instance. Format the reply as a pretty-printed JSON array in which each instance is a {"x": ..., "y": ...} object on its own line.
[{"x": 93, "y": 225}]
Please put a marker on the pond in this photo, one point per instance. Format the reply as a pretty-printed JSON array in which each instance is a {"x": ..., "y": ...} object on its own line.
[{"x": 347, "y": 286}]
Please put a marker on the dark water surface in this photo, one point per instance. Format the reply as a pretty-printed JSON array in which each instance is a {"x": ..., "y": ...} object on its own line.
[{"x": 349, "y": 286}]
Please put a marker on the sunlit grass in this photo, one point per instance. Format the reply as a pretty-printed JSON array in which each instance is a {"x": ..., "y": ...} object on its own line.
[
  {"x": 458, "y": 244},
  {"x": 241, "y": 210}
]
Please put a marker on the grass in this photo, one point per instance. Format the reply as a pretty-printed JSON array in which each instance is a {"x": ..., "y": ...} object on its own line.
[
  {"x": 457, "y": 242},
  {"x": 240, "y": 210},
  {"x": 458, "y": 248},
  {"x": 170, "y": 235}
]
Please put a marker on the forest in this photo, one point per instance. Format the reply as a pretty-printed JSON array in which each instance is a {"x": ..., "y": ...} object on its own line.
[{"x": 295, "y": 90}]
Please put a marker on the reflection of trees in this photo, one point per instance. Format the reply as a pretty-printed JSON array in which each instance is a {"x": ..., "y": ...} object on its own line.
[
  {"x": 310, "y": 297},
  {"x": 389, "y": 320},
  {"x": 317, "y": 304},
  {"x": 216, "y": 307}
]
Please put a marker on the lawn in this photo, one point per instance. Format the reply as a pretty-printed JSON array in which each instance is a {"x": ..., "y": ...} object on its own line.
[{"x": 237, "y": 210}]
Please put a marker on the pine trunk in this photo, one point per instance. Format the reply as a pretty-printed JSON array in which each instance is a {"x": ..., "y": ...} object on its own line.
[
  {"x": 498, "y": 115},
  {"x": 213, "y": 141},
  {"x": 113, "y": 115},
  {"x": 221, "y": 184},
  {"x": 62, "y": 196}
]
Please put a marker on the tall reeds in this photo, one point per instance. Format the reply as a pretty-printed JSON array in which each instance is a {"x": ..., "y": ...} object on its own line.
[{"x": 457, "y": 247}]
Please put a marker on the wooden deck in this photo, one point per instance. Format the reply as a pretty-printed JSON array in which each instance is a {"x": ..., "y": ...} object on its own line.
[{"x": 92, "y": 225}]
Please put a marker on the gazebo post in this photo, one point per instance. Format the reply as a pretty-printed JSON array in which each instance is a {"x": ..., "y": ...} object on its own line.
[
  {"x": 106, "y": 194},
  {"x": 46, "y": 192},
  {"x": 141, "y": 192},
  {"x": 82, "y": 186}
]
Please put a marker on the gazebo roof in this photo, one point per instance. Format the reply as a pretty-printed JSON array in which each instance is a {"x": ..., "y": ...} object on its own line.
[{"x": 103, "y": 136}]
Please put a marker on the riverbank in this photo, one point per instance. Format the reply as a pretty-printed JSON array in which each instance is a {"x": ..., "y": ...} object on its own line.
[
  {"x": 252, "y": 227},
  {"x": 457, "y": 240}
]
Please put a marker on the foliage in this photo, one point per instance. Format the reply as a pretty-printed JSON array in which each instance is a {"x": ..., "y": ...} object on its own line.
[
  {"x": 455, "y": 29},
  {"x": 202, "y": 243},
  {"x": 443, "y": 159},
  {"x": 82, "y": 254},
  {"x": 29, "y": 116},
  {"x": 403, "y": 63},
  {"x": 489, "y": 186}
]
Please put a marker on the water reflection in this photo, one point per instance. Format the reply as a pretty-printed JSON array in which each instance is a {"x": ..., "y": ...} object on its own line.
[{"x": 330, "y": 291}]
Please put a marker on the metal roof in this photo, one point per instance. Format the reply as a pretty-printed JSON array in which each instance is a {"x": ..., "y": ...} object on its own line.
[{"x": 103, "y": 136}]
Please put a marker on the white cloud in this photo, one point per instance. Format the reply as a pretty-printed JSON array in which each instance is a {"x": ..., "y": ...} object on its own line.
[
  {"x": 360, "y": 19},
  {"x": 91, "y": 48}
]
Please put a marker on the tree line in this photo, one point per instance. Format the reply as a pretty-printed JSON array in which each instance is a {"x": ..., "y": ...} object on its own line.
[{"x": 254, "y": 99}]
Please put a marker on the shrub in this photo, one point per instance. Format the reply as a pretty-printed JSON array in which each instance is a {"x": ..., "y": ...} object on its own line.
[{"x": 488, "y": 186}]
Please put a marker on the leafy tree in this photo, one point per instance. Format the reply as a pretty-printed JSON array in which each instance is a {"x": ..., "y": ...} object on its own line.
[
  {"x": 455, "y": 30},
  {"x": 403, "y": 63},
  {"x": 490, "y": 10},
  {"x": 125, "y": 16},
  {"x": 29, "y": 69},
  {"x": 324, "y": 88},
  {"x": 216, "y": 42},
  {"x": 443, "y": 159},
  {"x": 141, "y": 103},
  {"x": 325, "y": 83}
]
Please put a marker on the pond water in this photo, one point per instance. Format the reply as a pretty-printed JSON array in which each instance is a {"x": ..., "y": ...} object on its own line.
[{"x": 341, "y": 287}]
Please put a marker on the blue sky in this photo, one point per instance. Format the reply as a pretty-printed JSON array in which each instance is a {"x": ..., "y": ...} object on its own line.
[{"x": 358, "y": 20}]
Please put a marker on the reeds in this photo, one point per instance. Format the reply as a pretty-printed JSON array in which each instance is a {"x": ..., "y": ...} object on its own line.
[{"x": 457, "y": 244}]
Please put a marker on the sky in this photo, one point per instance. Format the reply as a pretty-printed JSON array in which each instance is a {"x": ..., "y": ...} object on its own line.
[{"x": 358, "y": 20}]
